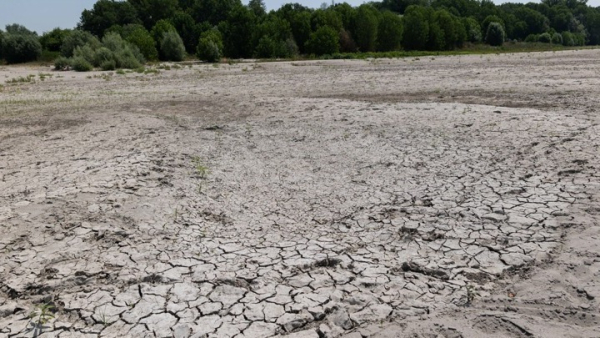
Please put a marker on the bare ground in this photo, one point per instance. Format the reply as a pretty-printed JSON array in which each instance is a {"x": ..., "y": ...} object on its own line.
[{"x": 427, "y": 197}]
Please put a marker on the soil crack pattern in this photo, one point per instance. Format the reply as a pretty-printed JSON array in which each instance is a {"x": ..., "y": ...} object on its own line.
[{"x": 173, "y": 205}]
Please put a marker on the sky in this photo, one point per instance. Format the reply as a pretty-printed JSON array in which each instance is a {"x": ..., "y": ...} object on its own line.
[{"x": 44, "y": 15}]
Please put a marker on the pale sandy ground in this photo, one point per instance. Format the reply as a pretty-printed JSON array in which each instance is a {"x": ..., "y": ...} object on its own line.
[{"x": 420, "y": 197}]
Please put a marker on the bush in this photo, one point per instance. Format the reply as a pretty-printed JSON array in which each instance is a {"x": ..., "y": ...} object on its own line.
[
  {"x": 159, "y": 30},
  {"x": 473, "y": 30},
  {"x": 210, "y": 46},
  {"x": 54, "y": 39},
  {"x": 108, "y": 65},
  {"x": 324, "y": 40},
  {"x": 62, "y": 63},
  {"x": 567, "y": 39},
  {"x": 103, "y": 55},
  {"x": 80, "y": 64},
  {"x": 545, "y": 38},
  {"x": 495, "y": 34},
  {"x": 172, "y": 47},
  {"x": 579, "y": 39},
  {"x": 76, "y": 39},
  {"x": 557, "y": 39},
  {"x": 531, "y": 38},
  {"x": 85, "y": 52},
  {"x": 21, "y": 48},
  {"x": 138, "y": 36}
]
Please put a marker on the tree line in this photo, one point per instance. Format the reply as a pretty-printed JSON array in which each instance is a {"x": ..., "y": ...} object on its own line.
[{"x": 124, "y": 34}]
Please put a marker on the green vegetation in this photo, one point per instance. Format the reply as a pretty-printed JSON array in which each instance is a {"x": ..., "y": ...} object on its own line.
[
  {"x": 169, "y": 30},
  {"x": 210, "y": 46}
]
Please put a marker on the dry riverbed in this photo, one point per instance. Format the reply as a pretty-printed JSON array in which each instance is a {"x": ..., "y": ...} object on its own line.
[{"x": 420, "y": 197}]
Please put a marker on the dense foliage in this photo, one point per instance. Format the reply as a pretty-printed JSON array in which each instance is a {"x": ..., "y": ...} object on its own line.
[{"x": 246, "y": 31}]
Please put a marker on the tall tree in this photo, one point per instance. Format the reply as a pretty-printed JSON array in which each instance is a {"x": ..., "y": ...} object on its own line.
[{"x": 107, "y": 13}]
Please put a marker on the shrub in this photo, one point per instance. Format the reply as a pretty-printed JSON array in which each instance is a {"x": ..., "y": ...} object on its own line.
[
  {"x": 76, "y": 39},
  {"x": 324, "y": 40},
  {"x": 159, "y": 30},
  {"x": 488, "y": 20},
  {"x": 62, "y": 63},
  {"x": 18, "y": 48},
  {"x": 473, "y": 30},
  {"x": 545, "y": 38},
  {"x": 80, "y": 64},
  {"x": 85, "y": 52},
  {"x": 103, "y": 55},
  {"x": 108, "y": 65},
  {"x": 567, "y": 39},
  {"x": 210, "y": 46},
  {"x": 495, "y": 34},
  {"x": 54, "y": 39},
  {"x": 557, "y": 39},
  {"x": 531, "y": 38},
  {"x": 172, "y": 47},
  {"x": 138, "y": 36},
  {"x": 579, "y": 39}
]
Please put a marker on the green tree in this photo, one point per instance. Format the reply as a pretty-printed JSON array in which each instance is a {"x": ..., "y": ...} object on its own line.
[
  {"x": 271, "y": 36},
  {"x": 212, "y": 11},
  {"x": 489, "y": 19},
  {"x": 210, "y": 46},
  {"x": 326, "y": 17},
  {"x": 237, "y": 32},
  {"x": 187, "y": 29},
  {"x": 172, "y": 47},
  {"x": 138, "y": 36},
  {"x": 389, "y": 35},
  {"x": 495, "y": 34},
  {"x": 416, "y": 28},
  {"x": 323, "y": 41},
  {"x": 16, "y": 29},
  {"x": 107, "y": 13},
  {"x": 258, "y": 8},
  {"x": 152, "y": 11},
  {"x": 54, "y": 39},
  {"x": 19, "y": 48},
  {"x": 77, "y": 38},
  {"x": 472, "y": 30},
  {"x": 2, "y": 37},
  {"x": 366, "y": 28}
]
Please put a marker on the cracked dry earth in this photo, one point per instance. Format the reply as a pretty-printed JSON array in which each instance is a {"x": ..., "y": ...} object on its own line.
[{"x": 447, "y": 197}]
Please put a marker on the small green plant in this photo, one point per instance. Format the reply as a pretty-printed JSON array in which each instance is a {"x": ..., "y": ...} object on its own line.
[
  {"x": 41, "y": 315},
  {"x": 201, "y": 169},
  {"x": 28, "y": 79},
  {"x": 120, "y": 72},
  {"x": 471, "y": 294}
]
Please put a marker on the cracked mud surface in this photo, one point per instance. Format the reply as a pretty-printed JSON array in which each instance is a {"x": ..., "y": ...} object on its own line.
[{"x": 452, "y": 197}]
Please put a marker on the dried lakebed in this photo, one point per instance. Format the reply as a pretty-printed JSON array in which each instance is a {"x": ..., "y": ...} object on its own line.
[{"x": 448, "y": 196}]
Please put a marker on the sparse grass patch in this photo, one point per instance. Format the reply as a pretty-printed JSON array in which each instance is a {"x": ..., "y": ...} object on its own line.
[{"x": 22, "y": 79}]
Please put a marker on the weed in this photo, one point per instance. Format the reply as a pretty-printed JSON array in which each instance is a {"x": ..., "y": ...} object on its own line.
[
  {"x": 120, "y": 72},
  {"x": 201, "y": 169},
  {"x": 41, "y": 315},
  {"x": 152, "y": 71},
  {"x": 44, "y": 76},
  {"x": 471, "y": 294},
  {"x": 29, "y": 79}
]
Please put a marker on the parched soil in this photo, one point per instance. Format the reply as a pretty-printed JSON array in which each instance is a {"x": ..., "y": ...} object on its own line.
[{"x": 427, "y": 197}]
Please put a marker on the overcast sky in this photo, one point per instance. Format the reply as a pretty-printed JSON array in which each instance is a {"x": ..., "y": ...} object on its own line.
[{"x": 44, "y": 15}]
